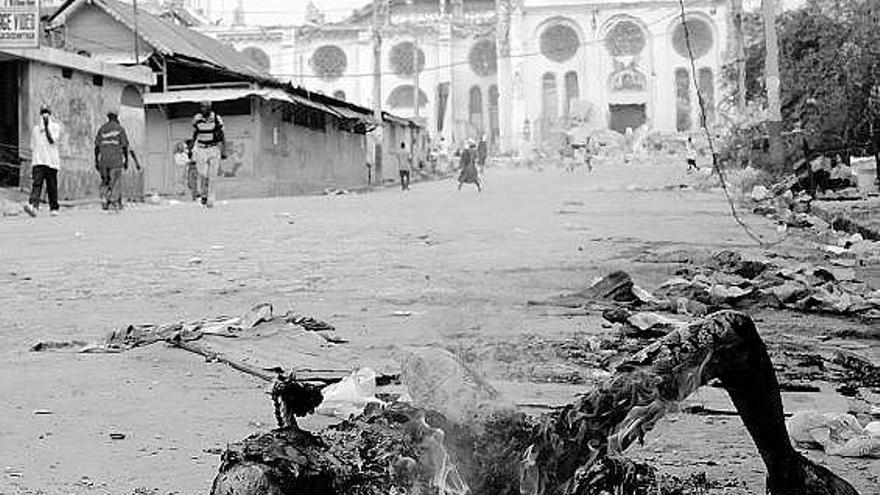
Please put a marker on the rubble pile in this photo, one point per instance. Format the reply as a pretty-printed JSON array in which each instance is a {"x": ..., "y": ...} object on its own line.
[{"x": 728, "y": 281}]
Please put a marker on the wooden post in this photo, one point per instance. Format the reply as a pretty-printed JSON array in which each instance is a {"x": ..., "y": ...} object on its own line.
[
  {"x": 740, "y": 54},
  {"x": 377, "y": 89},
  {"x": 771, "y": 73},
  {"x": 134, "y": 7}
]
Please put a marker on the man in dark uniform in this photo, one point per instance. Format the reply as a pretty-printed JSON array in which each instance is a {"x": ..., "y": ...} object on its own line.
[
  {"x": 208, "y": 148},
  {"x": 111, "y": 158}
]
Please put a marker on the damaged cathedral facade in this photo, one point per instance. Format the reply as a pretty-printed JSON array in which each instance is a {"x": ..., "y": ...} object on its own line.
[{"x": 519, "y": 72}]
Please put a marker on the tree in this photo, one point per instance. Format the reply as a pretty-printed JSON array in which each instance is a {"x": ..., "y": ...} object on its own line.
[{"x": 829, "y": 64}]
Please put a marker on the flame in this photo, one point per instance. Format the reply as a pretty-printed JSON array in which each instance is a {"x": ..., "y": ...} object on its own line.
[{"x": 446, "y": 477}]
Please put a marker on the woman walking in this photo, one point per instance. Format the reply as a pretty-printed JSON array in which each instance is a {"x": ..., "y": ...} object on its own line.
[{"x": 468, "y": 162}]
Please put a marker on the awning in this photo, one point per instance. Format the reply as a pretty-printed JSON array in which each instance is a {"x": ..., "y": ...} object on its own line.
[
  {"x": 388, "y": 117},
  {"x": 218, "y": 94},
  {"x": 299, "y": 100},
  {"x": 348, "y": 113}
]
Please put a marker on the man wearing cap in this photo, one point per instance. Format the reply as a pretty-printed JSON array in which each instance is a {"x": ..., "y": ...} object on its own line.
[
  {"x": 111, "y": 158},
  {"x": 208, "y": 148},
  {"x": 45, "y": 162}
]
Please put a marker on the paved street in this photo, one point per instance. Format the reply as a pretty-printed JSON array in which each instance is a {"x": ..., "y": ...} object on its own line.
[{"x": 463, "y": 263}]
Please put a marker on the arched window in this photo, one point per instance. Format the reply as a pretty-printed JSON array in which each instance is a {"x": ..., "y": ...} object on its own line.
[
  {"x": 402, "y": 97},
  {"x": 559, "y": 42},
  {"x": 682, "y": 100},
  {"x": 406, "y": 59},
  {"x": 258, "y": 57},
  {"x": 482, "y": 58},
  {"x": 549, "y": 97},
  {"x": 625, "y": 38},
  {"x": 697, "y": 33},
  {"x": 494, "y": 121},
  {"x": 339, "y": 94},
  {"x": 329, "y": 62},
  {"x": 572, "y": 91},
  {"x": 442, "y": 101},
  {"x": 707, "y": 91},
  {"x": 131, "y": 97},
  {"x": 475, "y": 108}
]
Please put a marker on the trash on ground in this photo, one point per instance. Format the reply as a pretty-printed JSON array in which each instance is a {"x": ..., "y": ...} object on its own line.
[
  {"x": 350, "y": 396},
  {"x": 836, "y": 433}
]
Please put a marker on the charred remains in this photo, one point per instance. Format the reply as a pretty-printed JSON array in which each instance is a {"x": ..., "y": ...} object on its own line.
[{"x": 404, "y": 449}]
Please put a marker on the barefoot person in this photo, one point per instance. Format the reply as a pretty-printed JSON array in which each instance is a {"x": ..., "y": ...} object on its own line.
[
  {"x": 46, "y": 161},
  {"x": 468, "y": 162}
]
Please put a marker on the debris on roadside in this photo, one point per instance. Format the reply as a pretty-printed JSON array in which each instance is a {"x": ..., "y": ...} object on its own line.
[
  {"x": 728, "y": 281},
  {"x": 836, "y": 433},
  {"x": 259, "y": 343}
]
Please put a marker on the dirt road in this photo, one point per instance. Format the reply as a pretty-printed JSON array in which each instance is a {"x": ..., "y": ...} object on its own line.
[{"x": 463, "y": 264}]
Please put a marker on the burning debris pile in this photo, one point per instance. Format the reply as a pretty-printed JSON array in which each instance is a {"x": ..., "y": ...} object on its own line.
[
  {"x": 728, "y": 281},
  {"x": 490, "y": 448}
]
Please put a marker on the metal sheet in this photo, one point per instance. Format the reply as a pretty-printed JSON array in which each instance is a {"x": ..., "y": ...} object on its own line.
[{"x": 219, "y": 94}]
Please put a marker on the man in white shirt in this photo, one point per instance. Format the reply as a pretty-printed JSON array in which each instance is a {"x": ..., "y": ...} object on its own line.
[{"x": 45, "y": 162}]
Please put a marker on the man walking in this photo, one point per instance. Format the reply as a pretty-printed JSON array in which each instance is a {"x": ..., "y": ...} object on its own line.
[
  {"x": 45, "y": 162},
  {"x": 209, "y": 147},
  {"x": 111, "y": 158},
  {"x": 691, "y": 155},
  {"x": 404, "y": 164}
]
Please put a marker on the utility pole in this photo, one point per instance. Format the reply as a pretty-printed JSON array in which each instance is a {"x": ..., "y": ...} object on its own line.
[
  {"x": 771, "y": 74},
  {"x": 740, "y": 54},
  {"x": 415, "y": 56},
  {"x": 134, "y": 6},
  {"x": 378, "y": 133}
]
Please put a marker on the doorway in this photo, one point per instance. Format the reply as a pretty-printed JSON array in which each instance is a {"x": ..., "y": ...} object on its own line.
[
  {"x": 10, "y": 163},
  {"x": 623, "y": 116}
]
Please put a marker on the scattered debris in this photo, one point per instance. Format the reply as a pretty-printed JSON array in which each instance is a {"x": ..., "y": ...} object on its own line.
[
  {"x": 728, "y": 281},
  {"x": 837, "y": 434},
  {"x": 499, "y": 450}
]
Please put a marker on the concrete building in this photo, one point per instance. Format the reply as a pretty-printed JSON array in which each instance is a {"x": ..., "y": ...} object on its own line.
[
  {"x": 78, "y": 90},
  {"x": 518, "y": 71}
]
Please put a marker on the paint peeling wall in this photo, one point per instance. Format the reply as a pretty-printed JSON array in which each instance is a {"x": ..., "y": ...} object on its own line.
[{"x": 79, "y": 105}]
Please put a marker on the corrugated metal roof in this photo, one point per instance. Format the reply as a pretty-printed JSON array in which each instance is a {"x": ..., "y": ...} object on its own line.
[
  {"x": 217, "y": 94},
  {"x": 173, "y": 40}
]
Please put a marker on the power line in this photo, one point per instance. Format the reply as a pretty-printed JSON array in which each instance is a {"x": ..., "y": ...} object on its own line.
[
  {"x": 467, "y": 62},
  {"x": 716, "y": 167}
]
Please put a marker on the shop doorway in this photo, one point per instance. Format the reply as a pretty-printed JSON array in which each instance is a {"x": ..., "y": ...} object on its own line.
[{"x": 10, "y": 164}]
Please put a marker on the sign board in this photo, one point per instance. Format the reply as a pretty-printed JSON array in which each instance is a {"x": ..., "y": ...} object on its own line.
[{"x": 19, "y": 24}]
